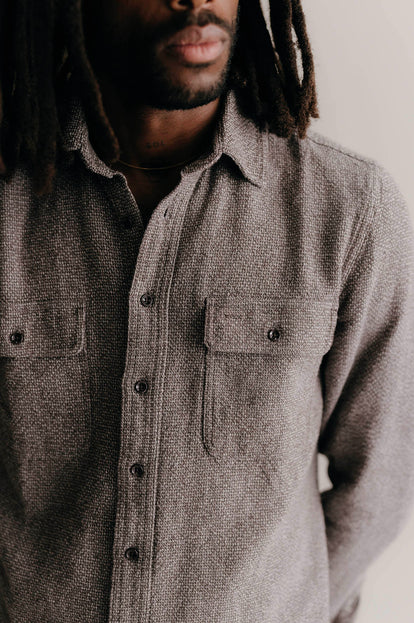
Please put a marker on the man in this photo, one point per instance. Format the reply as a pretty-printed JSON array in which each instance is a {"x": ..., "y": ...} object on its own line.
[{"x": 198, "y": 295}]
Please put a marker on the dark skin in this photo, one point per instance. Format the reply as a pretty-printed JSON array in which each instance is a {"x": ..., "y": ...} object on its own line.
[{"x": 162, "y": 106}]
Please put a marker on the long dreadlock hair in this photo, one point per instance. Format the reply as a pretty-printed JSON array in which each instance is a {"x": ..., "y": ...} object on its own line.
[{"x": 42, "y": 43}]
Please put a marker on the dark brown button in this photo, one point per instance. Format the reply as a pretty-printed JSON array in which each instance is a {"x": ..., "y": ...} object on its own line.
[
  {"x": 137, "y": 469},
  {"x": 17, "y": 337},
  {"x": 273, "y": 334},
  {"x": 132, "y": 553},
  {"x": 146, "y": 299},
  {"x": 141, "y": 386},
  {"x": 127, "y": 222}
]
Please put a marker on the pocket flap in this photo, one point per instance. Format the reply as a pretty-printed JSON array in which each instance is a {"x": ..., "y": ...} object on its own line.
[
  {"x": 298, "y": 327},
  {"x": 41, "y": 328}
]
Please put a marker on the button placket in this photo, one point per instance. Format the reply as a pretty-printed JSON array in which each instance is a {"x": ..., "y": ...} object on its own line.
[
  {"x": 135, "y": 510},
  {"x": 137, "y": 469}
]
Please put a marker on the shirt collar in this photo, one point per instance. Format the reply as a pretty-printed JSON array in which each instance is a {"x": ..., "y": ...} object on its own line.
[{"x": 236, "y": 136}]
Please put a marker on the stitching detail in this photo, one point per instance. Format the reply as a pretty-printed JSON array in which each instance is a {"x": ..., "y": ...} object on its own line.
[
  {"x": 341, "y": 150},
  {"x": 357, "y": 243}
]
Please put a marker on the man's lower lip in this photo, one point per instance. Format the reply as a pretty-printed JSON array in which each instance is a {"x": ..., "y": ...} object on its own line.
[{"x": 197, "y": 53}]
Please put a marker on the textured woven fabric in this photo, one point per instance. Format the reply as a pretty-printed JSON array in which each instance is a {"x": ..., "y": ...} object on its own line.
[{"x": 265, "y": 313}]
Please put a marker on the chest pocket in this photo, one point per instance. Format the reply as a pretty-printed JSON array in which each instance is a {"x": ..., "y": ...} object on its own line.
[
  {"x": 261, "y": 388},
  {"x": 44, "y": 386}
]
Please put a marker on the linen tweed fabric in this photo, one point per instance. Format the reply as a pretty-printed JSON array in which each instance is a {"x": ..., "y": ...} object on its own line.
[{"x": 166, "y": 386}]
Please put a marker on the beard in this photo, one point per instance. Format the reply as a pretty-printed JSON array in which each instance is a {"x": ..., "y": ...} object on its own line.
[
  {"x": 130, "y": 62},
  {"x": 155, "y": 88}
]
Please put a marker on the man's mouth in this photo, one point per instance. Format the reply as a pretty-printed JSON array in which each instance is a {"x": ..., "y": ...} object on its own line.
[{"x": 197, "y": 45}]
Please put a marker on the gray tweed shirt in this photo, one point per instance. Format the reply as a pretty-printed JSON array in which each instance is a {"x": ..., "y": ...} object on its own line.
[{"x": 166, "y": 387}]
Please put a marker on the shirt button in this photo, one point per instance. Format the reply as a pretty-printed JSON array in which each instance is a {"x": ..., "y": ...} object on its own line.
[
  {"x": 141, "y": 386},
  {"x": 273, "y": 334},
  {"x": 146, "y": 299},
  {"x": 137, "y": 469},
  {"x": 132, "y": 553},
  {"x": 17, "y": 337},
  {"x": 127, "y": 222}
]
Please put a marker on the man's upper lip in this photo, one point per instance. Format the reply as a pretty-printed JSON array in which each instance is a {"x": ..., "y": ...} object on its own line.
[{"x": 196, "y": 35}]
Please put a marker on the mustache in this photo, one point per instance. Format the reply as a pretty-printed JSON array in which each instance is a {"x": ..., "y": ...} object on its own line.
[{"x": 180, "y": 21}]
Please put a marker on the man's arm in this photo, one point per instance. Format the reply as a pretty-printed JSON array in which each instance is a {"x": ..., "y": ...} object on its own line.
[{"x": 367, "y": 431}]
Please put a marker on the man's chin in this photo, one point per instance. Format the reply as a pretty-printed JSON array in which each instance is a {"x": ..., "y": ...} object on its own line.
[
  {"x": 157, "y": 90},
  {"x": 183, "y": 99}
]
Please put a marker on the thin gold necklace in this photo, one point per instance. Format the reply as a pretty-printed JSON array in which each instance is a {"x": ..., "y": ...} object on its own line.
[{"x": 171, "y": 166}]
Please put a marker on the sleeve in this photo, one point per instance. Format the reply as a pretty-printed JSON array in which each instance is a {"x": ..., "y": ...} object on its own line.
[{"x": 367, "y": 429}]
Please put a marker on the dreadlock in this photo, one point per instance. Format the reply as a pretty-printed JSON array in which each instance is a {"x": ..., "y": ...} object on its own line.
[{"x": 42, "y": 43}]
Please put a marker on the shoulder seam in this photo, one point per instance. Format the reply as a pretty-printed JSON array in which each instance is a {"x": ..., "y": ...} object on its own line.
[{"x": 366, "y": 160}]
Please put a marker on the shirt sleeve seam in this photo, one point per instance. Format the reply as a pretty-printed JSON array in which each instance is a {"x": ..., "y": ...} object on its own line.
[{"x": 357, "y": 241}]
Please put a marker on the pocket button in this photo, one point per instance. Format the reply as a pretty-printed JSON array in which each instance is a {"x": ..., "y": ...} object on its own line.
[
  {"x": 17, "y": 337},
  {"x": 273, "y": 334}
]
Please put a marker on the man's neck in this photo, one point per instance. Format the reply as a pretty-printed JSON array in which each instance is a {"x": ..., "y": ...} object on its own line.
[{"x": 151, "y": 137}]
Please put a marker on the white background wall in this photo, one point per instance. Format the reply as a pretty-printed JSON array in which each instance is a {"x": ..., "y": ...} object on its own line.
[{"x": 364, "y": 57}]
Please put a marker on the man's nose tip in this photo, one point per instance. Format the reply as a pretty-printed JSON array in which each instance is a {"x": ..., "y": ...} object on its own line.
[{"x": 180, "y": 5}]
